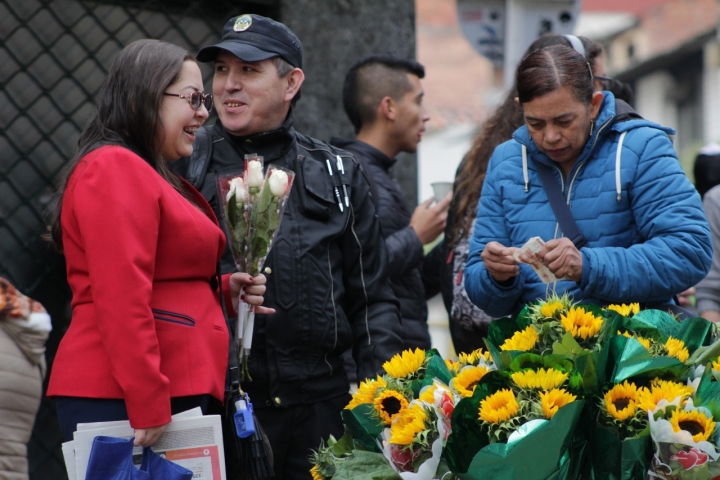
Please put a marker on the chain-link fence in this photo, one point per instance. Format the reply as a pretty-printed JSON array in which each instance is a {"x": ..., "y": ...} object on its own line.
[{"x": 54, "y": 55}]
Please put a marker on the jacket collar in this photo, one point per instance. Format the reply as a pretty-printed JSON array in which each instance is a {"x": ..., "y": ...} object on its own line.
[
  {"x": 271, "y": 145},
  {"x": 368, "y": 151},
  {"x": 605, "y": 119}
]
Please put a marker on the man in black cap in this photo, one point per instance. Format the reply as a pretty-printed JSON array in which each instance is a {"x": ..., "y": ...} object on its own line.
[{"x": 327, "y": 271}]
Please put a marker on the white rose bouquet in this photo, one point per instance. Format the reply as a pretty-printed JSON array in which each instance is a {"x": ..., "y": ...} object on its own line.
[{"x": 253, "y": 207}]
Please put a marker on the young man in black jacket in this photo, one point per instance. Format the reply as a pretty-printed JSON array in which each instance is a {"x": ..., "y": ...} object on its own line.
[
  {"x": 383, "y": 97},
  {"x": 327, "y": 270}
]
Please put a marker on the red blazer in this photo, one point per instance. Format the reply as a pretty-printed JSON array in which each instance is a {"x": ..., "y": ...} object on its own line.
[{"x": 146, "y": 325}]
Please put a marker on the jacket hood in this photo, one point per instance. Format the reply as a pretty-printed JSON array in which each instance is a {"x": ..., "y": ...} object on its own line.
[{"x": 615, "y": 115}]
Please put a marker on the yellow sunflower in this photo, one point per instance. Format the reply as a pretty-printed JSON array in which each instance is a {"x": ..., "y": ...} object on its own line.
[
  {"x": 366, "y": 392},
  {"x": 555, "y": 399},
  {"x": 625, "y": 310},
  {"x": 523, "y": 340},
  {"x": 474, "y": 357},
  {"x": 716, "y": 365},
  {"x": 549, "y": 309},
  {"x": 428, "y": 394},
  {"x": 407, "y": 425},
  {"x": 676, "y": 348},
  {"x": 388, "y": 404},
  {"x": 499, "y": 407},
  {"x": 645, "y": 342},
  {"x": 581, "y": 323},
  {"x": 453, "y": 367},
  {"x": 662, "y": 390},
  {"x": 693, "y": 422},
  {"x": 405, "y": 364},
  {"x": 465, "y": 381},
  {"x": 621, "y": 401},
  {"x": 539, "y": 379},
  {"x": 315, "y": 472}
]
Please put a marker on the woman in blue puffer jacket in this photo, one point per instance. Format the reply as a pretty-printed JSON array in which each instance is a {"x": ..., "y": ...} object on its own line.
[{"x": 647, "y": 236}]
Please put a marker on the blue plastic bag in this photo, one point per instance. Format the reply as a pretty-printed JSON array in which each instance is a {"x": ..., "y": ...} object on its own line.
[{"x": 111, "y": 459}]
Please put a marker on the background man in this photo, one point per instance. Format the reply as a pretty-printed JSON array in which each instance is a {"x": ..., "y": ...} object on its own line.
[
  {"x": 383, "y": 97},
  {"x": 327, "y": 272}
]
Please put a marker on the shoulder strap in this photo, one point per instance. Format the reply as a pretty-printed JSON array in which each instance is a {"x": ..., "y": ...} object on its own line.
[
  {"x": 233, "y": 376},
  {"x": 559, "y": 206},
  {"x": 200, "y": 158}
]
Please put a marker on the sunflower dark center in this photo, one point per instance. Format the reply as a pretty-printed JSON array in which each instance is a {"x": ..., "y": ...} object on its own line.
[
  {"x": 691, "y": 426},
  {"x": 472, "y": 384},
  {"x": 621, "y": 403},
  {"x": 391, "y": 405}
]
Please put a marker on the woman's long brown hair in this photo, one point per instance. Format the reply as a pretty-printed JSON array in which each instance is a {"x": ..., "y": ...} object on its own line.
[{"x": 128, "y": 113}]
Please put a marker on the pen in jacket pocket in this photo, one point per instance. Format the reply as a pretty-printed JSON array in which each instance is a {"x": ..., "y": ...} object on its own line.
[{"x": 337, "y": 191}]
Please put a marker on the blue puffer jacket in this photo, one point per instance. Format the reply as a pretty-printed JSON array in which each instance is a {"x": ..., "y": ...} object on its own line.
[{"x": 647, "y": 235}]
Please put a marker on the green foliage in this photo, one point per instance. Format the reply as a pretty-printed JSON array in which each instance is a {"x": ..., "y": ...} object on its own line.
[
  {"x": 364, "y": 465},
  {"x": 567, "y": 346}
]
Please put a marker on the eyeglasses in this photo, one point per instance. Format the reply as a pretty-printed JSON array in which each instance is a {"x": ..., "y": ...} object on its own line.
[
  {"x": 605, "y": 81},
  {"x": 196, "y": 99}
]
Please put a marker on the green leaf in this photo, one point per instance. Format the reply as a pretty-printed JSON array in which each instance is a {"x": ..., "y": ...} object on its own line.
[
  {"x": 342, "y": 446},
  {"x": 567, "y": 347},
  {"x": 365, "y": 466},
  {"x": 263, "y": 200},
  {"x": 273, "y": 215}
]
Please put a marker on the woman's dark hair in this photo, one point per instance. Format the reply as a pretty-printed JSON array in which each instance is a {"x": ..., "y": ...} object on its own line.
[
  {"x": 497, "y": 129},
  {"x": 545, "y": 71},
  {"x": 128, "y": 113}
]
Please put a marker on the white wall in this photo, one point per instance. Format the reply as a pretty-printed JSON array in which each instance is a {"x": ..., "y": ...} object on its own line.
[
  {"x": 711, "y": 92},
  {"x": 652, "y": 93}
]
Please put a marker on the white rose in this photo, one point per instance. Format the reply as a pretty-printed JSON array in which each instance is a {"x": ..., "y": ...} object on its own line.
[
  {"x": 254, "y": 174},
  {"x": 237, "y": 188},
  {"x": 278, "y": 182}
]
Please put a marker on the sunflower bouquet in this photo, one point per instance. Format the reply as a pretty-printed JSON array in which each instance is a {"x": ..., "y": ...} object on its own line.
[
  {"x": 379, "y": 401},
  {"x": 518, "y": 423},
  {"x": 556, "y": 326},
  {"x": 398, "y": 422},
  {"x": 652, "y": 343},
  {"x": 620, "y": 442},
  {"x": 685, "y": 439},
  {"x": 414, "y": 442}
]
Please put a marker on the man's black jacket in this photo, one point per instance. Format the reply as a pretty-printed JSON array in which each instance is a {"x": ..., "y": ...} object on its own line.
[
  {"x": 405, "y": 251},
  {"x": 327, "y": 271}
]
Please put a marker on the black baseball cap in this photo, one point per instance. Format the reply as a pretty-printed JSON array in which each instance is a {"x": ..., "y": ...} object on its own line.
[{"x": 254, "y": 38}]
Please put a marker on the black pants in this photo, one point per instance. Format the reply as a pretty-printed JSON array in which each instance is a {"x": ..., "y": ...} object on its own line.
[
  {"x": 294, "y": 432},
  {"x": 74, "y": 410}
]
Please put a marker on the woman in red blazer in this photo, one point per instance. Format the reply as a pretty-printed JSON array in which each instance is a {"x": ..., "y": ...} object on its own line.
[{"x": 148, "y": 336}]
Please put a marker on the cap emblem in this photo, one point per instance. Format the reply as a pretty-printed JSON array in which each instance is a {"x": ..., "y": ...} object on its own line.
[{"x": 242, "y": 23}]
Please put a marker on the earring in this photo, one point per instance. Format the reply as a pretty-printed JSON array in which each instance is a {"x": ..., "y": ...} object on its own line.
[{"x": 592, "y": 126}]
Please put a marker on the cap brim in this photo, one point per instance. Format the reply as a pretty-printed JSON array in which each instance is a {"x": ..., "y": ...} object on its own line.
[{"x": 243, "y": 51}]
